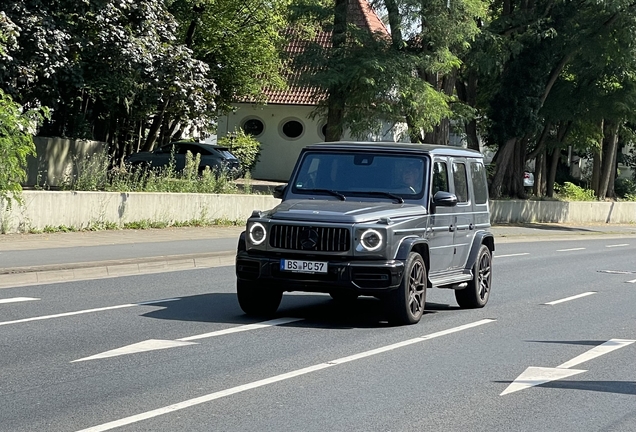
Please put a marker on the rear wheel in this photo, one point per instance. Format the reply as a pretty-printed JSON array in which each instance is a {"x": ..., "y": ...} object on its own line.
[
  {"x": 406, "y": 303},
  {"x": 258, "y": 301},
  {"x": 476, "y": 294}
]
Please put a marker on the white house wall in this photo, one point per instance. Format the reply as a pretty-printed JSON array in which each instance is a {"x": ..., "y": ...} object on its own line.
[{"x": 278, "y": 152}]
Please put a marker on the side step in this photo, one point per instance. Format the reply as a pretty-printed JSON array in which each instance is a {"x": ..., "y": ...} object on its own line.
[{"x": 453, "y": 281}]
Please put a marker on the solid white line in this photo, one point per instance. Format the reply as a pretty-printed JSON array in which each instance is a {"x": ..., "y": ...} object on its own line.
[
  {"x": 264, "y": 324},
  {"x": 512, "y": 255},
  {"x": 568, "y": 250},
  {"x": 617, "y": 245},
  {"x": 223, "y": 393},
  {"x": 17, "y": 299},
  {"x": 66, "y": 314},
  {"x": 604, "y": 348},
  {"x": 570, "y": 298}
]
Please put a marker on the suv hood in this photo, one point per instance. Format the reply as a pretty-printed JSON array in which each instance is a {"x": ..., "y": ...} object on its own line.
[{"x": 342, "y": 211}]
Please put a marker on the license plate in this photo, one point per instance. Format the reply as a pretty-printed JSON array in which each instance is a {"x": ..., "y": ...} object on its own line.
[{"x": 303, "y": 266}]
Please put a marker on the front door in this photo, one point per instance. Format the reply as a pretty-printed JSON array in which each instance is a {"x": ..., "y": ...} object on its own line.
[{"x": 440, "y": 233}]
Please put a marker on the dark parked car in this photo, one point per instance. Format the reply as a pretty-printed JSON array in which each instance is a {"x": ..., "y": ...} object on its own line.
[
  {"x": 386, "y": 220},
  {"x": 216, "y": 157}
]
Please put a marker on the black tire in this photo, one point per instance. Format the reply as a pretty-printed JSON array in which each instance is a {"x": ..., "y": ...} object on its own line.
[
  {"x": 476, "y": 294},
  {"x": 406, "y": 303},
  {"x": 343, "y": 296},
  {"x": 257, "y": 301}
]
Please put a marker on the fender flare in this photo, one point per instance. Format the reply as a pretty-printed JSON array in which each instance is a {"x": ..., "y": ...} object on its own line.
[
  {"x": 481, "y": 237},
  {"x": 408, "y": 244},
  {"x": 241, "y": 243}
]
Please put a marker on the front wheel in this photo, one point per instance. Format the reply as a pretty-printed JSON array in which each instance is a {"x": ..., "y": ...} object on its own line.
[
  {"x": 476, "y": 294},
  {"x": 257, "y": 301},
  {"x": 406, "y": 303}
]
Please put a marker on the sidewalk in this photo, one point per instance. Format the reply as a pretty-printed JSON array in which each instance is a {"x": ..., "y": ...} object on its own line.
[{"x": 28, "y": 259}]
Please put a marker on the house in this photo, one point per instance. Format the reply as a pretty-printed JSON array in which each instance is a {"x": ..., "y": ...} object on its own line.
[{"x": 284, "y": 124}]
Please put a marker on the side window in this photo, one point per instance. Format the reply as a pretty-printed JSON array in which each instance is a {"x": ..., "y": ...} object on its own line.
[
  {"x": 461, "y": 182},
  {"x": 440, "y": 177},
  {"x": 480, "y": 185}
]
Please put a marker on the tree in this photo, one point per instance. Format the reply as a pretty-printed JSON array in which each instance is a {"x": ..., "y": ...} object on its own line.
[
  {"x": 105, "y": 68},
  {"x": 16, "y": 144},
  {"x": 531, "y": 45},
  {"x": 420, "y": 31},
  {"x": 241, "y": 43},
  {"x": 16, "y": 126}
]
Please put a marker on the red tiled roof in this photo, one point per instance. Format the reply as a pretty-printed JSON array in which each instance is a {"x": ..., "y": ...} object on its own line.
[{"x": 362, "y": 15}]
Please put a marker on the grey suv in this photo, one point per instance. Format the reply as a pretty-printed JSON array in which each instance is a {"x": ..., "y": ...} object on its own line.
[{"x": 387, "y": 220}]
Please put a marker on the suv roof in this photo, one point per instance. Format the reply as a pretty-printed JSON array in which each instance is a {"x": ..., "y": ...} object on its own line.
[{"x": 433, "y": 149}]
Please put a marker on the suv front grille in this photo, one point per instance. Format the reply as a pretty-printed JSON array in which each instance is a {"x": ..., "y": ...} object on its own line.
[{"x": 306, "y": 238}]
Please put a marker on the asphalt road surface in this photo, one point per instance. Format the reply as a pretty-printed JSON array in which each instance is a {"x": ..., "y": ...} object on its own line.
[{"x": 554, "y": 350}]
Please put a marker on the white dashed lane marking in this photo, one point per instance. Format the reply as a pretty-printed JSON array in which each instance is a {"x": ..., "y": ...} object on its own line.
[
  {"x": 17, "y": 300},
  {"x": 570, "y": 298},
  {"x": 570, "y": 250},
  {"x": 512, "y": 255},
  {"x": 86, "y": 311},
  {"x": 617, "y": 245},
  {"x": 277, "y": 378}
]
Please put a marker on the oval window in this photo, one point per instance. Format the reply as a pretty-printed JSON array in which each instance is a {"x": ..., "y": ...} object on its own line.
[
  {"x": 253, "y": 127},
  {"x": 293, "y": 129},
  {"x": 323, "y": 130}
]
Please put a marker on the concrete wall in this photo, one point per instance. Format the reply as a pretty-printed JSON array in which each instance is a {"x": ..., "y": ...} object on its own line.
[
  {"x": 83, "y": 209},
  {"x": 563, "y": 212},
  {"x": 278, "y": 152},
  {"x": 58, "y": 158}
]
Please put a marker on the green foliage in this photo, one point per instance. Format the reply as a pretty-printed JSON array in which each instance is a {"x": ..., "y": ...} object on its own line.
[
  {"x": 245, "y": 147},
  {"x": 139, "y": 225},
  {"x": 16, "y": 144},
  {"x": 625, "y": 188},
  {"x": 89, "y": 173},
  {"x": 240, "y": 41},
  {"x": 105, "y": 68},
  {"x": 571, "y": 192}
]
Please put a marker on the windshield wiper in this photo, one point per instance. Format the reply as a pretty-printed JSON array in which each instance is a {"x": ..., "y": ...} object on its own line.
[
  {"x": 329, "y": 191},
  {"x": 397, "y": 198}
]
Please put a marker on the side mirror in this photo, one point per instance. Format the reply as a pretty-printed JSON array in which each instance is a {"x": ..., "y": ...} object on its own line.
[
  {"x": 279, "y": 191},
  {"x": 445, "y": 199}
]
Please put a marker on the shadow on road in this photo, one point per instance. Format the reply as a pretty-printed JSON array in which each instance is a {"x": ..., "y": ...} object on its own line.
[
  {"x": 618, "y": 387},
  {"x": 580, "y": 342},
  {"x": 548, "y": 227},
  {"x": 315, "y": 310}
]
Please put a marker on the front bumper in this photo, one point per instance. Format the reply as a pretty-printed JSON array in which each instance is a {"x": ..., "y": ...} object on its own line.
[{"x": 360, "y": 276}]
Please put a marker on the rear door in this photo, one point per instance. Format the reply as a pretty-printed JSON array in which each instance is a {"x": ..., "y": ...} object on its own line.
[
  {"x": 463, "y": 221},
  {"x": 479, "y": 186}
]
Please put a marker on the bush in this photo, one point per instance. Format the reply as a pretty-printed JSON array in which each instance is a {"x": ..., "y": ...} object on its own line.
[
  {"x": 245, "y": 147},
  {"x": 624, "y": 188},
  {"x": 571, "y": 192},
  {"x": 16, "y": 144}
]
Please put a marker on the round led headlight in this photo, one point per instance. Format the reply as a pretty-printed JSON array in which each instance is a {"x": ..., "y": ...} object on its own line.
[
  {"x": 371, "y": 240},
  {"x": 257, "y": 233}
]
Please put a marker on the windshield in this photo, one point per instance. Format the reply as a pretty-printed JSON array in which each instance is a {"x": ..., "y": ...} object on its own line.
[{"x": 357, "y": 174}]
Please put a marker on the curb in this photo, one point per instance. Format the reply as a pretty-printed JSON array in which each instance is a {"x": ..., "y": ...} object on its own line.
[{"x": 46, "y": 274}]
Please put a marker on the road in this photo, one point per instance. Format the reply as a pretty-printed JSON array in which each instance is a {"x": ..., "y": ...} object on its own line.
[{"x": 172, "y": 351}]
